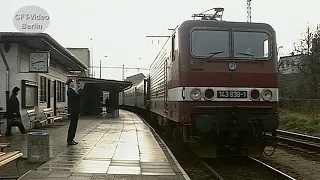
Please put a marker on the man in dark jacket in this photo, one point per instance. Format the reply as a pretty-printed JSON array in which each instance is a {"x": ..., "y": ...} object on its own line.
[
  {"x": 74, "y": 101},
  {"x": 13, "y": 113}
]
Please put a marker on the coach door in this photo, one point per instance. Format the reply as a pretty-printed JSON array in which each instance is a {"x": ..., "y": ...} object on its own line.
[{"x": 165, "y": 71}]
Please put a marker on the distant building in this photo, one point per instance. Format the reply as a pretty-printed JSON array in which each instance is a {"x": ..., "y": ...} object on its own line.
[
  {"x": 290, "y": 64},
  {"x": 83, "y": 54},
  {"x": 135, "y": 78},
  {"x": 291, "y": 78}
]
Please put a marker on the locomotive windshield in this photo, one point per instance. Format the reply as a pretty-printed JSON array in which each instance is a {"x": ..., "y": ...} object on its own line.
[
  {"x": 207, "y": 43},
  {"x": 254, "y": 44},
  {"x": 216, "y": 44}
]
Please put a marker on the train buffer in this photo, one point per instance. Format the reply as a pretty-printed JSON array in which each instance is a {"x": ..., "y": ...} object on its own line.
[{"x": 110, "y": 148}]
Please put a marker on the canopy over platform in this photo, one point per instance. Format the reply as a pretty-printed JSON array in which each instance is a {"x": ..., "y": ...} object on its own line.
[
  {"x": 104, "y": 84},
  {"x": 93, "y": 100}
]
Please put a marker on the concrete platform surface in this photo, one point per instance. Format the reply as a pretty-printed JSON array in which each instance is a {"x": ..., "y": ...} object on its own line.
[{"x": 111, "y": 148}]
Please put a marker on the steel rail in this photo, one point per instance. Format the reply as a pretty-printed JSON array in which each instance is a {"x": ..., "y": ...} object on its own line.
[
  {"x": 299, "y": 140},
  {"x": 211, "y": 170},
  {"x": 282, "y": 174}
]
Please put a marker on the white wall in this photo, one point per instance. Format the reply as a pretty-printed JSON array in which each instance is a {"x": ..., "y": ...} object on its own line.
[{"x": 18, "y": 59}]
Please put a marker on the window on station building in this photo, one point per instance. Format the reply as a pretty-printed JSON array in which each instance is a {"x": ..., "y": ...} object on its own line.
[
  {"x": 42, "y": 89},
  {"x": 63, "y": 92},
  {"x": 59, "y": 91}
]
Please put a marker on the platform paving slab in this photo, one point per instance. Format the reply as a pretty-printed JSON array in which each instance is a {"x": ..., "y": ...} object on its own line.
[
  {"x": 57, "y": 136},
  {"x": 110, "y": 148}
]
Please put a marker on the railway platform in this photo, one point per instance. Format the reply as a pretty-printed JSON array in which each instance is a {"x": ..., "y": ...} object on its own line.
[{"x": 109, "y": 148}]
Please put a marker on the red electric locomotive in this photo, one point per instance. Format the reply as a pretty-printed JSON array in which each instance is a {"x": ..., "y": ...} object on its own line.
[{"x": 214, "y": 84}]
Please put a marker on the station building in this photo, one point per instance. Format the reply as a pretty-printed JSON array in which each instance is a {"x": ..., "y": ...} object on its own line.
[
  {"x": 38, "y": 89},
  {"x": 40, "y": 66}
]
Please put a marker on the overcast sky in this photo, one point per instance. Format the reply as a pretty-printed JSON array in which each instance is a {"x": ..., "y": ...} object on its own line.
[{"x": 118, "y": 28}]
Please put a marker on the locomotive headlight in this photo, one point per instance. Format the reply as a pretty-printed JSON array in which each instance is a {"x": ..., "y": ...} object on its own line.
[
  {"x": 195, "y": 94},
  {"x": 266, "y": 95}
]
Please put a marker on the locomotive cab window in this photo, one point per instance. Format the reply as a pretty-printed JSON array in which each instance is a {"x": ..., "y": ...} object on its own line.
[
  {"x": 252, "y": 45},
  {"x": 210, "y": 43}
]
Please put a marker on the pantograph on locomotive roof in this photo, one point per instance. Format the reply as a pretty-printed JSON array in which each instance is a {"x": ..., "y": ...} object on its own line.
[{"x": 216, "y": 16}]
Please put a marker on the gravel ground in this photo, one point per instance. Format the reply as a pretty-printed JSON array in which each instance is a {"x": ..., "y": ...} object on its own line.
[
  {"x": 240, "y": 168},
  {"x": 295, "y": 164}
]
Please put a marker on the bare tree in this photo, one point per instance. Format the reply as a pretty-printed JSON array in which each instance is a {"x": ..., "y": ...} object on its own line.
[{"x": 309, "y": 64}]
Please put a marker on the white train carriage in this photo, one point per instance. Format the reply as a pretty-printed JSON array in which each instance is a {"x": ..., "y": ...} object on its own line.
[{"x": 135, "y": 96}]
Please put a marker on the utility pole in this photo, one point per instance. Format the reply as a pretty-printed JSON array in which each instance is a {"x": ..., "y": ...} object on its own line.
[
  {"x": 91, "y": 62},
  {"x": 249, "y": 11},
  {"x": 100, "y": 68}
]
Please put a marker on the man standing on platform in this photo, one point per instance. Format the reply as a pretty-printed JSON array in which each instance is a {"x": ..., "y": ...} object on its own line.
[{"x": 74, "y": 101}]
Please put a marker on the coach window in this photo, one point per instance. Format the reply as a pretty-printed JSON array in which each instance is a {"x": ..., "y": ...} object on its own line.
[
  {"x": 210, "y": 43},
  {"x": 173, "y": 47},
  {"x": 253, "y": 45}
]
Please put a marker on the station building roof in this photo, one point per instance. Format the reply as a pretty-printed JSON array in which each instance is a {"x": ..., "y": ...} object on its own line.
[{"x": 44, "y": 42}]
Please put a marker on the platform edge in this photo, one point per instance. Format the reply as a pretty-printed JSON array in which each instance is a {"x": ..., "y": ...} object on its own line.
[{"x": 185, "y": 175}]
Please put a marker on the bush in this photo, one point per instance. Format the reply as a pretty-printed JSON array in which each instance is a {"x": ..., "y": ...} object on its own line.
[{"x": 292, "y": 120}]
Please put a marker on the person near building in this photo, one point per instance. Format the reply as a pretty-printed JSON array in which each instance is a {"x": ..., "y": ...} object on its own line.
[
  {"x": 74, "y": 103},
  {"x": 13, "y": 113},
  {"x": 114, "y": 102},
  {"x": 107, "y": 104}
]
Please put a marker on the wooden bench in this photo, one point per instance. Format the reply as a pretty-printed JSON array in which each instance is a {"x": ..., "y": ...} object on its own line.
[
  {"x": 66, "y": 110},
  {"x": 62, "y": 112},
  {"x": 6, "y": 157},
  {"x": 48, "y": 112},
  {"x": 33, "y": 117}
]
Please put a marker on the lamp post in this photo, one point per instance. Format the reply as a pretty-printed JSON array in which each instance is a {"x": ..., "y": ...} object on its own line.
[
  {"x": 101, "y": 67},
  {"x": 91, "y": 62},
  {"x": 139, "y": 68}
]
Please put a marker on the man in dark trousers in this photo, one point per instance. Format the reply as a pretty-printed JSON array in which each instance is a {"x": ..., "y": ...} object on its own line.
[
  {"x": 13, "y": 113},
  {"x": 74, "y": 101}
]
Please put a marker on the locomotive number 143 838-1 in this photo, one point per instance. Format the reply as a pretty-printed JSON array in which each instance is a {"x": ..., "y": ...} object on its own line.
[{"x": 231, "y": 94}]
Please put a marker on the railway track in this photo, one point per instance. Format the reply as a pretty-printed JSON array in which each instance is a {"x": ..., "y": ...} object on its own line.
[
  {"x": 299, "y": 140},
  {"x": 223, "y": 168},
  {"x": 248, "y": 168}
]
